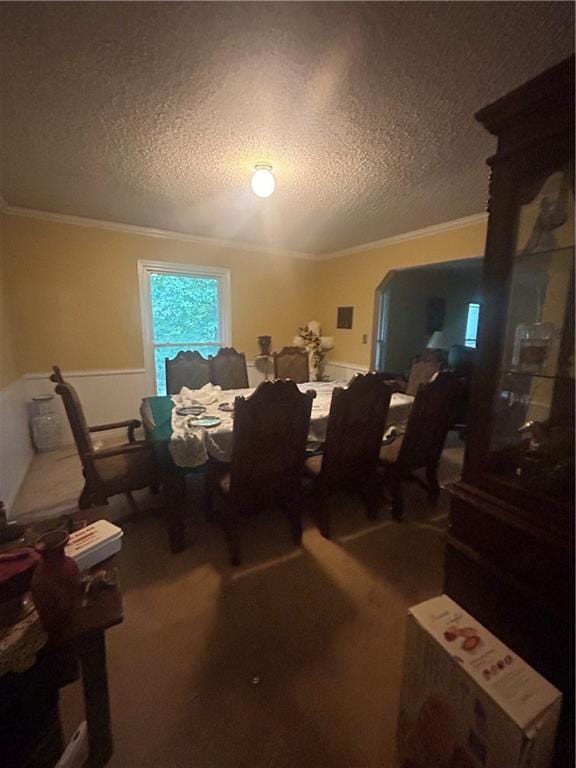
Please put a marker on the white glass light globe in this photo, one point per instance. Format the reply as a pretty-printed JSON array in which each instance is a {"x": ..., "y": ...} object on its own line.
[{"x": 263, "y": 182}]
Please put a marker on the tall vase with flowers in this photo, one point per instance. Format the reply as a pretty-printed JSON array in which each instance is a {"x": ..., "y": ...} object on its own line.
[{"x": 317, "y": 346}]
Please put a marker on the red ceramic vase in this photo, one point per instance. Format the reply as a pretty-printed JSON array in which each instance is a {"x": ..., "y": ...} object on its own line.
[{"x": 55, "y": 585}]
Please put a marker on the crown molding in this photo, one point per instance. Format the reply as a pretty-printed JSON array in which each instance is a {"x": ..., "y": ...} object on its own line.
[
  {"x": 435, "y": 229},
  {"x": 166, "y": 234},
  {"x": 115, "y": 226}
]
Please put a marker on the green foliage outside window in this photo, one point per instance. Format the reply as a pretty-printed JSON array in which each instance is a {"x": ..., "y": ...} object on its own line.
[
  {"x": 184, "y": 309},
  {"x": 185, "y": 314}
]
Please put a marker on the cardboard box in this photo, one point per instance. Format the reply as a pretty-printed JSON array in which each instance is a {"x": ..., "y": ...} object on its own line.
[{"x": 467, "y": 700}]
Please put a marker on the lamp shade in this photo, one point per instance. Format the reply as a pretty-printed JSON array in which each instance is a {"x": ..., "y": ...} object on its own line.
[{"x": 437, "y": 341}]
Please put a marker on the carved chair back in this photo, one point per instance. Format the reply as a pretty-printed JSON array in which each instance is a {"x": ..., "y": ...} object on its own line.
[
  {"x": 187, "y": 369},
  {"x": 356, "y": 425},
  {"x": 56, "y": 376},
  {"x": 292, "y": 363},
  {"x": 421, "y": 373},
  {"x": 75, "y": 414},
  {"x": 429, "y": 421},
  {"x": 228, "y": 369},
  {"x": 270, "y": 434}
]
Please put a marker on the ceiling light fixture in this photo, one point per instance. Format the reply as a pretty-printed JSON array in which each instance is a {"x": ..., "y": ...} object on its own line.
[{"x": 263, "y": 181}]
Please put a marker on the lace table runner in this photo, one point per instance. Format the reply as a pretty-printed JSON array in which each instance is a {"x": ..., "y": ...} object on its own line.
[{"x": 20, "y": 642}]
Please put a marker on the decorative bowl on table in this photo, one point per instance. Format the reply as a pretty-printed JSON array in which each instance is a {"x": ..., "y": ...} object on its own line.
[
  {"x": 204, "y": 421},
  {"x": 190, "y": 410}
]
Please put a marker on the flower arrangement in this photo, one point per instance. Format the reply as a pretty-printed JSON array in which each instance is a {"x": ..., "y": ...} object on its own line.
[{"x": 317, "y": 346}]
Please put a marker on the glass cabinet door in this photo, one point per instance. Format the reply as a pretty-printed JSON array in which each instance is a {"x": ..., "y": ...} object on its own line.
[{"x": 532, "y": 440}]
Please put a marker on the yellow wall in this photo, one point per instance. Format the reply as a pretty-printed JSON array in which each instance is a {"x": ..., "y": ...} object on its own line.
[
  {"x": 75, "y": 296},
  {"x": 8, "y": 368},
  {"x": 352, "y": 281}
]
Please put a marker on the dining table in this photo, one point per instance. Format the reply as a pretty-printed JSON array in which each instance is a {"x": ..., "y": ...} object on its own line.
[{"x": 183, "y": 445}]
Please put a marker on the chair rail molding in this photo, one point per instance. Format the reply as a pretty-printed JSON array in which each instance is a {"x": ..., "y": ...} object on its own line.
[{"x": 44, "y": 376}]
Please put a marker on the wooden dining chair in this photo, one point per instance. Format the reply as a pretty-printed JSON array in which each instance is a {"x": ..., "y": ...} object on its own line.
[
  {"x": 356, "y": 425},
  {"x": 228, "y": 369},
  {"x": 187, "y": 369},
  {"x": 421, "y": 371},
  {"x": 421, "y": 445},
  {"x": 268, "y": 451},
  {"x": 292, "y": 363},
  {"x": 108, "y": 471}
]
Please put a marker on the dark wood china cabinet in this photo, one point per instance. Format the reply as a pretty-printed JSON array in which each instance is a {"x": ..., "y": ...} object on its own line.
[{"x": 509, "y": 557}]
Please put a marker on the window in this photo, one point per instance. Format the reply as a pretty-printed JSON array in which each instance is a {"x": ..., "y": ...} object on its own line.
[
  {"x": 183, "y": 307},
  {"x": 472, "y": 325}
]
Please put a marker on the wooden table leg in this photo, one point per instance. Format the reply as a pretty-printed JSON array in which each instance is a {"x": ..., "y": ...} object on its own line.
[
  {"x": 175, "y": 492},
  {"x": 92, "y": 654}
]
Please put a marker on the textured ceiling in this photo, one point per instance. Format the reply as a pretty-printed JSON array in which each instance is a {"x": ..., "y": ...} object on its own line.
[{"x": 154, "y": 113}]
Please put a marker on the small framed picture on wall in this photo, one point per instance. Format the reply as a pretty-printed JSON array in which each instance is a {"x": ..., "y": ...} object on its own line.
[{"x": 344, "y": 317}]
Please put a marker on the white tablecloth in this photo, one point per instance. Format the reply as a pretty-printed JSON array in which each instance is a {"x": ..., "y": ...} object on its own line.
[{"x": 191, "y": 446}]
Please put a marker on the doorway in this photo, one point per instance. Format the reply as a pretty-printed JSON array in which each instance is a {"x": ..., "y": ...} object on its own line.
[{"x": 435, "y": 306}]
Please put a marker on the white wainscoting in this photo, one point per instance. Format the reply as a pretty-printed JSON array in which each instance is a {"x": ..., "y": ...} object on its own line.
[
  {"x": 338, "y": 370},
  {"x": 115, "y": 395},
  {"x": 106, "y": 395},
  {"x": 15, "y": 445},
  {"x": 256, "y": 375}
]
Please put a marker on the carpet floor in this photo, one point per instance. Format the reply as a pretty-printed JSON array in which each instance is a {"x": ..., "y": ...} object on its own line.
[{"x": 294, "y": 659}]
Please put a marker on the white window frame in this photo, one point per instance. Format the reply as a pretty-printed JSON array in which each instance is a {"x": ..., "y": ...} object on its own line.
[{"x": 147, "y": 268}]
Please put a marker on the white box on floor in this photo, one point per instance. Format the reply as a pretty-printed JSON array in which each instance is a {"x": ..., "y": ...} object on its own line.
[
  {"x": 94, "y": 543},
  {"x": 467, "y": 700}
]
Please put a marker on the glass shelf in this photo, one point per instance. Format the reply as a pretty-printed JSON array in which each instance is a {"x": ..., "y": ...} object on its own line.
[{"x": 532, "y": 435}]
